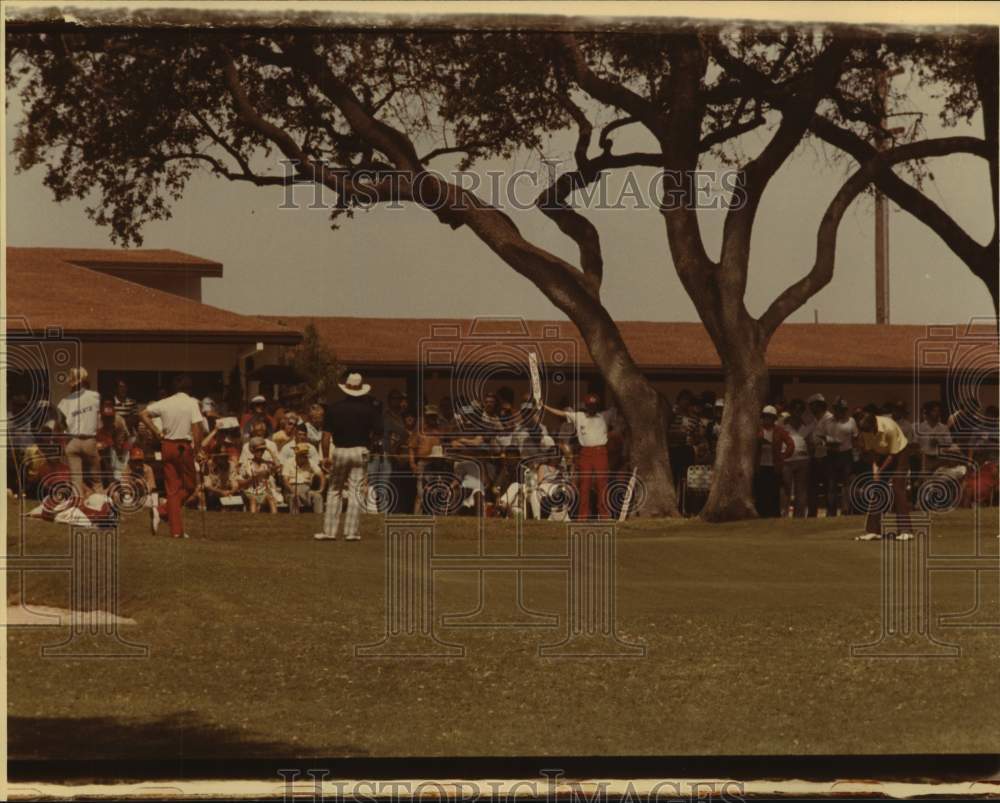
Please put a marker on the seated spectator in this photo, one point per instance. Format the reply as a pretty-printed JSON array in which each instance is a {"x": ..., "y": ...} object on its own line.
[
  {"x": 316, "y": 425},
  {"x": 118, "y": 455},
  {"x": 303, "y": 481},
  {"x": 257, "y": 412},
  {"x": 286, "y": 430},
  {"x": 42, "y": 461},
  {"x": 258, "y": 430},
  {"x": 224, "y": 439},
  {"x": 257, "y": 478},
  {"x": 299, "y": 437},
  {"x": 219, "y": 481}
]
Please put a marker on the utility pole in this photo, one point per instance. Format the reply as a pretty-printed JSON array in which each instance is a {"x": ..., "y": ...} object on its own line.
[{"x": 882, "y": 208}]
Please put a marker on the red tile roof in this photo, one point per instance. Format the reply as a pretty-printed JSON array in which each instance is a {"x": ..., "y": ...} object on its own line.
[
  {"x": 800, "y": 348},
  {"x": 45, "y": 290},
  {"x": 138, "y": 259}
]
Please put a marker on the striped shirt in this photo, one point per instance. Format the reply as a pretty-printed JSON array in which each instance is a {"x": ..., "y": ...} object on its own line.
[{"x": 125, "y": 407}]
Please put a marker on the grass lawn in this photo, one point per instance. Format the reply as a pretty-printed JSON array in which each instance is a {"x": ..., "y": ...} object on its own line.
[{"x": 747, "y": 627}]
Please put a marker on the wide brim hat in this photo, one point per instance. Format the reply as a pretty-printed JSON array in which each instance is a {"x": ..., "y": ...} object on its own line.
[{"x": 354, "y": 386}]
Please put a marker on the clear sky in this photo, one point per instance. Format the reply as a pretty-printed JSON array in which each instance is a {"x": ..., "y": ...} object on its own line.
[{"x": 405, "y": 263}]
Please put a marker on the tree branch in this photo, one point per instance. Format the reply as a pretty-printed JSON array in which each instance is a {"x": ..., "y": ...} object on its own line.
[
  {"x": 608, "y": 92},
  {"x": 796, "y": 294}
]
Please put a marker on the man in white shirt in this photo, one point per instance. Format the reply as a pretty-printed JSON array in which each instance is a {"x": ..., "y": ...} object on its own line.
[
  {"x": 81, "y": 418},
  {"x": 592, "y": 432},
  {"x": 934, "y": 438},
  {"x": 838, "y": 433},
  {"x": 818, "y": 415},
  {"x": 180, "y": 432}
]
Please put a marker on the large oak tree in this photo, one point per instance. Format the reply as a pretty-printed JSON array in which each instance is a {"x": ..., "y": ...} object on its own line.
[{"x": 131, "y": 115}]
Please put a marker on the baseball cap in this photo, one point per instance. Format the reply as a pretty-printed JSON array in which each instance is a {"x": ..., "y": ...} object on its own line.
[
  {"x": 770, "y": 409},
  {"x": 207, "y": 405},
  {"x": 592, "y": 399},
  {"x": 258, "y": 399},
  {"x": 816, "y": 397},
  {"x": 257, "y": 443},
  {"x": 302, "y": 448},
  {"x": 136, "y": 453},
  {"x": 720, "y": 402},
  {"x": 840, "y": 403},
  {"x": 430, "y": 409}
]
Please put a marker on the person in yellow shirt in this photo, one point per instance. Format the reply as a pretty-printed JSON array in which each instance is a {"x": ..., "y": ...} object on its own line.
[{"x": 883, "y": 443}]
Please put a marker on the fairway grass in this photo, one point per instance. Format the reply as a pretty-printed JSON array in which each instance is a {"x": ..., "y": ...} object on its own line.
[{"x": 747, "y": 629}]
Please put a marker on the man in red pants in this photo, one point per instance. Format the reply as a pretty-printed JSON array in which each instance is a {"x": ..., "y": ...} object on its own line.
[
  {"x": 181, "y": 430},
  {"x": 592, "y": 431}
]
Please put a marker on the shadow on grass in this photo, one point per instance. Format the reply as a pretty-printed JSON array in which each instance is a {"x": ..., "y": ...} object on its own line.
[{"x": 178, "y": 737}]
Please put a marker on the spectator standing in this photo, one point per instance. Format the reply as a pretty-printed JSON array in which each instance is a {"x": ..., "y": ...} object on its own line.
[
  {"x": 817, "y": 419},
  {"x": 425, "y": 446},
  {"x": 125, "y": 405},
  {"x": 210, "y": 412},
  {"x": 181, "y": 432},
  {"x": 111, "y": 430},
  {"x": 934, "y": 438},
  {"x": 81, "y": 416},
  {"x": 257, "y": 412},
  {"x": 838, "y": 433},
  {"x": 683, "y": 431},
  {"x": 774, "y": 446},
  {"x": 355, "y": 423},
  {"x": 795, "y": 472}
]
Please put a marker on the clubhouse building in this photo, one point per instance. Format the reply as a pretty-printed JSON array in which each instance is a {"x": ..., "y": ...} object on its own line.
[{"x": 138, "y": 314}]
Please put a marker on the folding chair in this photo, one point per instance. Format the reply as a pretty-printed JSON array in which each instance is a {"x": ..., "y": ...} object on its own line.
[{"x": 697, "y": 480}]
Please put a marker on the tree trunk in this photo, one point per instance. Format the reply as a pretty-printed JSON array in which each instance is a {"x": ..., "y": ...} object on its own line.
[
  {"x": 641, "y": 406},
  {"x": 643, "y": 409},
  {"x": 731, "y": 497}
]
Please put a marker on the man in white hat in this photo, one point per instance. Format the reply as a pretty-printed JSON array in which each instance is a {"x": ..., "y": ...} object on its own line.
[
  {"x": 355, "y": 423},
  {"x": 81, "y": 418}
]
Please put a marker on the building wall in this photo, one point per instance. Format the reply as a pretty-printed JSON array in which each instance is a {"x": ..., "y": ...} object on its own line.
[
  {"x": 171, "y": 281},
  {"x": 104, "y": 361}
]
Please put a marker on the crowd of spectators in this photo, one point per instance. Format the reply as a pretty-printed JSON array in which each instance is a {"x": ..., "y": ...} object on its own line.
[{"x": 503, "y": 454}]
